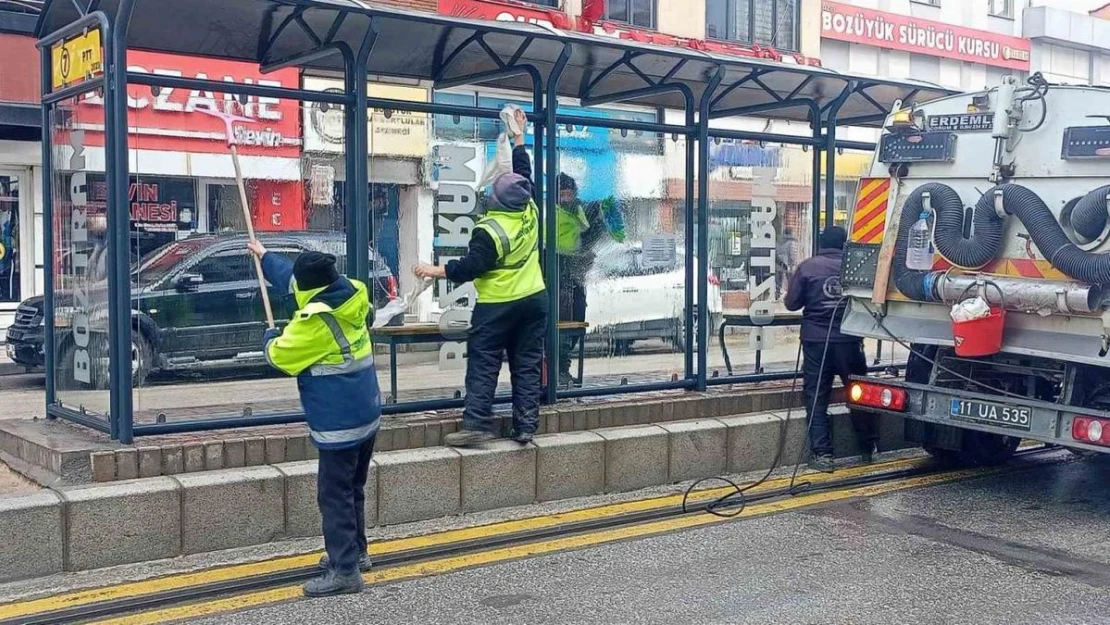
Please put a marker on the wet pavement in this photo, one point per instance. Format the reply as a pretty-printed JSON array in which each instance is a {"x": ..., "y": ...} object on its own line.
[{"x": 1031, "y": 545}]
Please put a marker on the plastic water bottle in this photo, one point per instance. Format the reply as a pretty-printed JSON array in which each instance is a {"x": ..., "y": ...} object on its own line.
[{"x": 919, "y": 256}]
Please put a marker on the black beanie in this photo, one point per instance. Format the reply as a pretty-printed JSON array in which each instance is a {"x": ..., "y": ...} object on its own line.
[
  {"x": 314, "y": 270},
  {"x": 566, "y": 183},
  {"x": 833, "y": 238}
]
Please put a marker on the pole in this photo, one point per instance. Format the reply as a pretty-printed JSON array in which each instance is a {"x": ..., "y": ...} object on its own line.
[{"x": 250, "y": 233}]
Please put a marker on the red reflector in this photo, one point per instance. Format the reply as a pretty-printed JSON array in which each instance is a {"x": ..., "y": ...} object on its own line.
[
  {"x": 1091, "y": 431},
  {"x": 391, "y": 282},
  {"x": 877, "y": 396}
]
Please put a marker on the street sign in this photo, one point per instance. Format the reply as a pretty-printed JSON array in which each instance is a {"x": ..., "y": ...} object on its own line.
[{"x": 76, "y": 60}]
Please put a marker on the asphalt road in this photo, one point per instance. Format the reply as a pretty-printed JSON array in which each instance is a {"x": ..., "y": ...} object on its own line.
[{"x": 1031, "y": 546}]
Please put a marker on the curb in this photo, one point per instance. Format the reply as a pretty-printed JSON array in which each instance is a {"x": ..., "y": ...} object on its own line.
[{"x": 93, "y": 526}]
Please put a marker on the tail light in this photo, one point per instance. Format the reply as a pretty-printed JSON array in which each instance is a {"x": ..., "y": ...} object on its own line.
[
  {"x": 877, "y": 396},
  {"x": 391, "y": 287},
  {"x": 1091, "y": 430}
]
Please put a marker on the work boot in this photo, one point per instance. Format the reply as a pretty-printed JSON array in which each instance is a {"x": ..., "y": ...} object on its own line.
[
  {"x": 521, "y": 437},
  {"x": 823, "y": 463},
  {"x": 868, "y": 454},
  {"x": 364, "y": 563},
  {"x": 332, "y": 583},
  {"x": 467, "y": 438}
]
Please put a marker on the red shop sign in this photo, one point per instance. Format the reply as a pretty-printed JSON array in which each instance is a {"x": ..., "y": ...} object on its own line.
[
  {"x": 504, "y": 12},
  {"x": 182, "y": 120},
  {"x": 898, "y": 32}
]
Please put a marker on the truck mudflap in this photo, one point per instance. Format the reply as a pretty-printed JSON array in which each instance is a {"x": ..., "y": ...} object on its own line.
[{"x": 1007, "y": 416}]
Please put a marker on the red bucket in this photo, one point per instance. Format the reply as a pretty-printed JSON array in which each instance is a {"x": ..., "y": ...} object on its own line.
[{"x": 980, "y": 337}]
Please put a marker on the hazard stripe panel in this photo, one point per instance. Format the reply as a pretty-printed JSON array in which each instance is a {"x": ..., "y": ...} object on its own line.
[{"x": 869, "y": 217}]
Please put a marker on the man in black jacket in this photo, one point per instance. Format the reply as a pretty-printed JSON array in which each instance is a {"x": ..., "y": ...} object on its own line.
[{"x": 815, "y": 290}]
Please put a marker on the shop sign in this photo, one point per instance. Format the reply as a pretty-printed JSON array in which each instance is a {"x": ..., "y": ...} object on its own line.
[
  {"x": 909, "y": 34},
  {"x": 76, "y": 60},
  {"x": 157, "y": 204},
  {"x": 733, "y": 153},
  {"x": 192, "y": 120},
  {"x": 590, "y": 22},
  {"x": 392, "y": 133}
]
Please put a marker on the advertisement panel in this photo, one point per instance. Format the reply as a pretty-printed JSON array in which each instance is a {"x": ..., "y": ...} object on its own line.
[
  {"x": 392, "y": 133},
  {"x": 892, "y": 31}
]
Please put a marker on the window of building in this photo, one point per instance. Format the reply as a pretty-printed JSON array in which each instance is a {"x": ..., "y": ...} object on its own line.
[
  {"x": 546, "y": 3},
  {"x": 639, "y": 13},
  {"x": 1002, "y": 8},
  {"x": 772, "y": 23},
  {"x": 932, "y": 3}
]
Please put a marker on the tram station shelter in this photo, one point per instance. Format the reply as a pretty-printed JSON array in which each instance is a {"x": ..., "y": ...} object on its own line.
[{"x": 109, "y": 315}]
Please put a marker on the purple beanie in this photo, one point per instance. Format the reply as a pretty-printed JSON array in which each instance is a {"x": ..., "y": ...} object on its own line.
[{"x": 511, "y": 192}]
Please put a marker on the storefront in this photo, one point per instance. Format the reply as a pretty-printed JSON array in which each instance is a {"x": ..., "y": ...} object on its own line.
[{"x": 182, "y": 174}]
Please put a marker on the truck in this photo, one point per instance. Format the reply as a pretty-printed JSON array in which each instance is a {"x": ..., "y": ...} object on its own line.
[{"x": 1008, "y": 188}]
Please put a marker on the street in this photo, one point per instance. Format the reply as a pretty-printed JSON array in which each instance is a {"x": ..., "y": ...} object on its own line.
[
  {"x": 903, "y": 541},
  {"x": 1029, "y": 545}
]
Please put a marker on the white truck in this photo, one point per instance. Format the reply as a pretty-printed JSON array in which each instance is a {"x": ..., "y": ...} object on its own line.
[{"x": 1013, "y": 184}]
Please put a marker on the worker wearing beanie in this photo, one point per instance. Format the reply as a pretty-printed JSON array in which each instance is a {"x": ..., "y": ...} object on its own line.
[
  {"x": 327, "y": 346},
  {"x": 503, "y": 261},
  {"x": 827, "y": 352},
  {"x": 580, "y": 228}
]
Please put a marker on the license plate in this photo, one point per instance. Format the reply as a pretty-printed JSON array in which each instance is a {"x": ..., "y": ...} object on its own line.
[{"x": 1015, "y": 417}]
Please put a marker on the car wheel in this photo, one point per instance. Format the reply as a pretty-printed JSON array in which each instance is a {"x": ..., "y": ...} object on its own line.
[
  {"x": 986, "y": 449},
  {"x": 142, "y": 356}
]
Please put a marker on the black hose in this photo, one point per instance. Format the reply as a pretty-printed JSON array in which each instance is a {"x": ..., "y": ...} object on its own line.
[
  {"x": 1048, "y": 236},
  {"x": 986, "y": 234},
  {"x": 909, "y": 282},
  {"x": 1088, "y": 216}
]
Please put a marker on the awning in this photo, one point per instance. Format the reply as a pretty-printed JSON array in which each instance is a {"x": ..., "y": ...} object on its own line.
[{"x": 450, "y": 51}]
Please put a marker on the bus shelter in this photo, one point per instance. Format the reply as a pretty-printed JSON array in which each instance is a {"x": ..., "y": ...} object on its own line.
[{"x": 642, "y": 128}]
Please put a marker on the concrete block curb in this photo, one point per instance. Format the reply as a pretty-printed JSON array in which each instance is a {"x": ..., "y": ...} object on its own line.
[
  {"x": 302, "y": 513},
  {"x": 418, "y": 484},
  {"x": 231, "y": 508},
  {"x": 569, "y": 465},
  {"x": 753, "y": 440},
  {"x": 500, "y": 475},
  {"x": 146, "y": 513},
  {"x": 32, "y": 535},
  {"x": 698, "y": 449},
  {"x": 635, "y": 457}
]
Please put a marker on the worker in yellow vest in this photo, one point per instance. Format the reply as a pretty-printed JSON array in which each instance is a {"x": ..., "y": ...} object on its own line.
[
  {"x": 503, "y": 261},
  {"x": 580, "y": 228}
]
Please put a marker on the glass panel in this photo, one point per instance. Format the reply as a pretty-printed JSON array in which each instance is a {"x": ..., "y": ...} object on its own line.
[
  {"x": 716, "y": 19},
  {"x": 198, "y": 307},
  {"x": 80, "y": 254},
  {"x": 621, "y": 242},
  {"x": 759, "y": 231},
  {"x": 10, "y": 274},
  {"x": 618, "y": 10},
  {"x": 741, "y": 27},
  {"x": 764, "y": 26},
  {"x": 642, "y": 13},
  {"x": 786, "y": 27}
]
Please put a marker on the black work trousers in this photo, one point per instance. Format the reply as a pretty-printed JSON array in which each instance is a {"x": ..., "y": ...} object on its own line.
[
  {"x": 341, "y": 494},
  {"x": 516, "y": 328},
  {"x": 572, "y": 307},
  {"x": 842, "y": 359}
]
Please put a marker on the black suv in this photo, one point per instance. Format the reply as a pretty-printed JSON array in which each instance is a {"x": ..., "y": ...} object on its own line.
[{"x": 195, "y": 305}]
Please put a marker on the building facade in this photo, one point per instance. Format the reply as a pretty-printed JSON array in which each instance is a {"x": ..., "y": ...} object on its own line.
[{"x": 1069, "y": 48}]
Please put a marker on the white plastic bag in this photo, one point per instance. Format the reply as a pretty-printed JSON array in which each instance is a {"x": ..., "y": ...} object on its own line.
[
  {"x": 400, "y": 305},
  {"x": 502, "y": 162},
  {"x": 970, "y": 309}
]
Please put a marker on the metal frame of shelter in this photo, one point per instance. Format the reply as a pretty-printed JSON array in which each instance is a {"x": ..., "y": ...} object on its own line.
[{"x": 360, "y": 40}]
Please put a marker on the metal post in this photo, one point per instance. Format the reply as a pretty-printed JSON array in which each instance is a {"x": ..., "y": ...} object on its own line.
[
  {"x": 49, "y": 346},
  {"x": 830, "y": 158},
  {"x": 815, "y": 206},
  {"x": 356, "y": 158},
  {"x": 551, "y": 259},
  {"x": 688, "y": 216},
  {"x": 703, "y": 227},
  {"x": 119, "y": 227}
]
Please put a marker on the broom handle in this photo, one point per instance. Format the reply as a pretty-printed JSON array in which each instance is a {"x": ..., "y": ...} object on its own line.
[{"x": 250, "y": 233}]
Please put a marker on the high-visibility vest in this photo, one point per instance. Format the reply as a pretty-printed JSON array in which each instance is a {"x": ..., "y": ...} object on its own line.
[
  {"x": 515, "y": 234},
  {"x": 569, "y": 226}
]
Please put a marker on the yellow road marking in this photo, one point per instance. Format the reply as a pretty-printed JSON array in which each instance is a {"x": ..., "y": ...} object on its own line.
[
  {"x": 175, "y": 582},
  {"x": 505, "y": 554}
]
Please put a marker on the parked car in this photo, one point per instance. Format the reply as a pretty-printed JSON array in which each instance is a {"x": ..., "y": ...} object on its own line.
[
  {"x": 196, "y": 305},
  {"x": 630, "y": 300}
]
